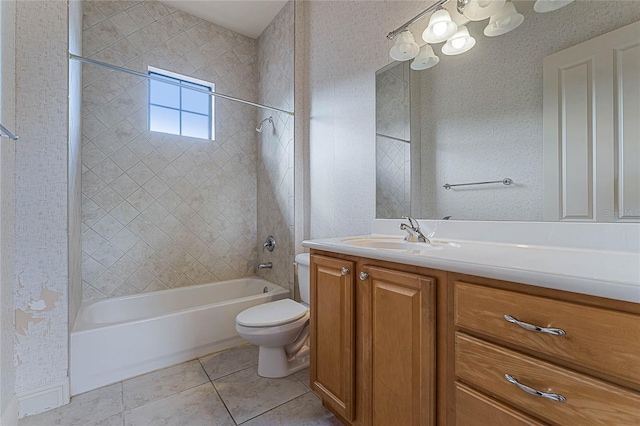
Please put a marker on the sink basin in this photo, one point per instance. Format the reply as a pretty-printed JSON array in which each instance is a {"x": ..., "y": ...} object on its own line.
[{"x": 397, "y": 244}]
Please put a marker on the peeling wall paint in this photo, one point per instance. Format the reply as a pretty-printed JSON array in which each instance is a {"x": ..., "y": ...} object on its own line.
[
  {"x": 47, "y": 301},
  {"x": 41, "y": 238},
  {"x": 24, "y": 320}
]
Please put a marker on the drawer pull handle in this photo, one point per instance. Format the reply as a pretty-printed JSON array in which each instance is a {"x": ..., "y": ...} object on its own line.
[
  {"x": 531, "y": 327},
  {"x": 345, "y": 271},
  {"x": 532, "y": 391},
  {"x": 363, "y": 276}
]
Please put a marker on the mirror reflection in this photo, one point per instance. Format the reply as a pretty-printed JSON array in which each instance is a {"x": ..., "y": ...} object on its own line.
[{"x": 530, "y": 107}]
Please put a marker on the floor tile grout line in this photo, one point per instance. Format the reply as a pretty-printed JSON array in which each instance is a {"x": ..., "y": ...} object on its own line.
[
  {"x": 218, "y": 393},
  {"x": 271, "y": 409},
  {"x": 122, "y": 396},
  {"x": 226, "y": 375},
  {"x": 164, "y": 397}
]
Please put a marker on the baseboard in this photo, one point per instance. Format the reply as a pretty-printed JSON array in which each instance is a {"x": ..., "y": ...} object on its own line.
[
  {"x": 44, "y": 398},
  {"x": 10, "y": 414}
]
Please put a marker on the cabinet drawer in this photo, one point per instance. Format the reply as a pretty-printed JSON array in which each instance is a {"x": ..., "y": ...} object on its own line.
[
  {"x": 600, "y": 339},
  {"x": 476, "y": 409},
  {"x": 588, "y": 401}
]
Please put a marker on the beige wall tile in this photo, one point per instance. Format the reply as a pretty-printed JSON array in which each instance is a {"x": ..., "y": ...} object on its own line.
[{"x": 165, "y": 179}]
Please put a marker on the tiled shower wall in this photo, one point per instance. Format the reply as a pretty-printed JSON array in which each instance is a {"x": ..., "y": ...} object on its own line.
[
  {"x": 275, "y": 150},
  {"x": 163, "y": 211}
]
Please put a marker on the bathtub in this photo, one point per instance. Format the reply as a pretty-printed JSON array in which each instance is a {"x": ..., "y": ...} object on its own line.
[{"x": 122, "y": 337}]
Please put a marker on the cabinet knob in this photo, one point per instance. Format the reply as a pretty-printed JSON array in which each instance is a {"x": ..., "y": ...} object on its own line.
[
  {"x": 345, "y": 271},
  {"x": 363, "y": 276}
]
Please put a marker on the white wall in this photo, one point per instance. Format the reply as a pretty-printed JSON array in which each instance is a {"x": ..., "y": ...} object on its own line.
[
  {"x": 7, "y": 188},
  {"x": 346, "y": 45},
  {"x": 41, "y": 249}
]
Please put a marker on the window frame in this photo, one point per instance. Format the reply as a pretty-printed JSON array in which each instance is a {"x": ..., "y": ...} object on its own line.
[{"x": 180, "y": 78}]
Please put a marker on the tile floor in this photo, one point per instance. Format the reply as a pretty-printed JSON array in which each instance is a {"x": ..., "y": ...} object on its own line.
[{"x": 219, "y": 389}]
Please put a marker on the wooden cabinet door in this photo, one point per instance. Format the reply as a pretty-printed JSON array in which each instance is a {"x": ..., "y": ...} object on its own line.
[
  {"x": 403, "y": 347},
  {"x": 332, "y": 333}
]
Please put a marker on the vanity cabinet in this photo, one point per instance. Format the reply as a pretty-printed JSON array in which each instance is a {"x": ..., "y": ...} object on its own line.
[
  {"x": 373, "y": 342},
  {"x": 542, "y": 356},
  {"x": 401, "y": 307},
  {"x": 395, "y": 344},
  {"x": 332, "y": 320}
]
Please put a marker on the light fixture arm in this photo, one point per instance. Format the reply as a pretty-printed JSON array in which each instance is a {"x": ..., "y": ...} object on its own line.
[
  {"x": 460, "y": 4},
  {"x": 419, "y": 16}
]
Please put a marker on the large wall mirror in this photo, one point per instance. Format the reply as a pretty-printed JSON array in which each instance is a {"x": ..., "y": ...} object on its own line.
[{"x": 549, "y": 111}]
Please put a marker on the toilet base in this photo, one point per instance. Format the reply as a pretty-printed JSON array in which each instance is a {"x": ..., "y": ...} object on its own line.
[{"x": 274, "y": 362}]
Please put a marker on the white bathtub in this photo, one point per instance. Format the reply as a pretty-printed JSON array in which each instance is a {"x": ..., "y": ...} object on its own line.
[{"x": 122, "y": 337}]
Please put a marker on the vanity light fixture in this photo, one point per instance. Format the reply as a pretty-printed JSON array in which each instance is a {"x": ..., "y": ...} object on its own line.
[
  {"x": 479, "y": 10},
  {"x": 504, "y": 21},
  {"x": 405, "y": 47},
  {"x": 425, "y": 59},
  {"x": 440, "y": 28},
  {"x": 459, "y": 43},
  {"x": 543, "y": 6}
]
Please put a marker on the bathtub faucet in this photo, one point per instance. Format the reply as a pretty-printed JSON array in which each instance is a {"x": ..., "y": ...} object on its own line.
[{"x": 267, "y": 265}]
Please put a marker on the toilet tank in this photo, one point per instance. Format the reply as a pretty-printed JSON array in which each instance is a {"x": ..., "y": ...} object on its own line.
[{"x": 303, "y": 260}]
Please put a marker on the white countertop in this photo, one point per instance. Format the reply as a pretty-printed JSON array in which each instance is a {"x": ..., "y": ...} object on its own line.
[{"x": 613, "y": 274}]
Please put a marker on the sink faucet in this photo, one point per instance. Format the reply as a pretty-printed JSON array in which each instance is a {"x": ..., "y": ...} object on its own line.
[{"x": 414, "y": 234}]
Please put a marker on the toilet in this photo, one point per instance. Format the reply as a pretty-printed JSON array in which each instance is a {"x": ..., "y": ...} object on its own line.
[{"x": 280, "y": 329}]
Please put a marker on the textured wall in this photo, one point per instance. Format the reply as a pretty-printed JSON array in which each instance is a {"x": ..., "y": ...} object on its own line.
[
  {"x": 276, "y": 150},
  {"x": 163, "y": 211},
  {"x": 7, "y": 202},
  {"x": 41, "y": 268},
  {"x": 346, "y": 46},
  {"x": 75, "y": 161},
  {"x": 482, "y": 112},
  {"x": 301, "y": 125},
  {"x": 393, "y": 133}
]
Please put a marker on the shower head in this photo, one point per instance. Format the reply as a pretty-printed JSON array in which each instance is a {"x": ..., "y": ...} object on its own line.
[{"x": 259, "y": 128}]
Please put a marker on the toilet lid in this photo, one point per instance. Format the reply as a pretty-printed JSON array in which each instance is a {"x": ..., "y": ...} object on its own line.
[{"x": 272, "y": 313}]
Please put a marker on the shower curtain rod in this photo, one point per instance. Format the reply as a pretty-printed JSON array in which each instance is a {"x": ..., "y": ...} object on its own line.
[{"x": 150, "y": 77}]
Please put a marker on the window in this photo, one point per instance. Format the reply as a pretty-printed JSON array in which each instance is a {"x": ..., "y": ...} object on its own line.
[{"x": 180, "y": 110}]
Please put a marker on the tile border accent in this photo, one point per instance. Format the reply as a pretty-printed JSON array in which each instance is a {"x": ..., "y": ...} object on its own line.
[
  {"x": 44, "y": 398},
  {"x": 10, "y": 415}
]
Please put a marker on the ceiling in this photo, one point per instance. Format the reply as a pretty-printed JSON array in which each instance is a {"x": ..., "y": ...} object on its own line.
[{"x": 249, "y": 18}]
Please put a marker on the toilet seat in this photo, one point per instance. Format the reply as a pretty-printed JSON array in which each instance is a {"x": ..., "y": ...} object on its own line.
[{"x": 272, "y": 314}]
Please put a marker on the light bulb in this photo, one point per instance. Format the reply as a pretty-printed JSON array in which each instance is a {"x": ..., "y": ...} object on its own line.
[
  {"x": 439, "y": 28},
  {"x": 458, "y": 43}
]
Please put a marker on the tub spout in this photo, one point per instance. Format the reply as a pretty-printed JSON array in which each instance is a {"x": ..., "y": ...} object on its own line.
[{"x": 267, "y": 265}]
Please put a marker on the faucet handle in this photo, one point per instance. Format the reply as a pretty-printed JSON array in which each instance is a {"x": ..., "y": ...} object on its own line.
[{"x": 414, "y": 223}]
